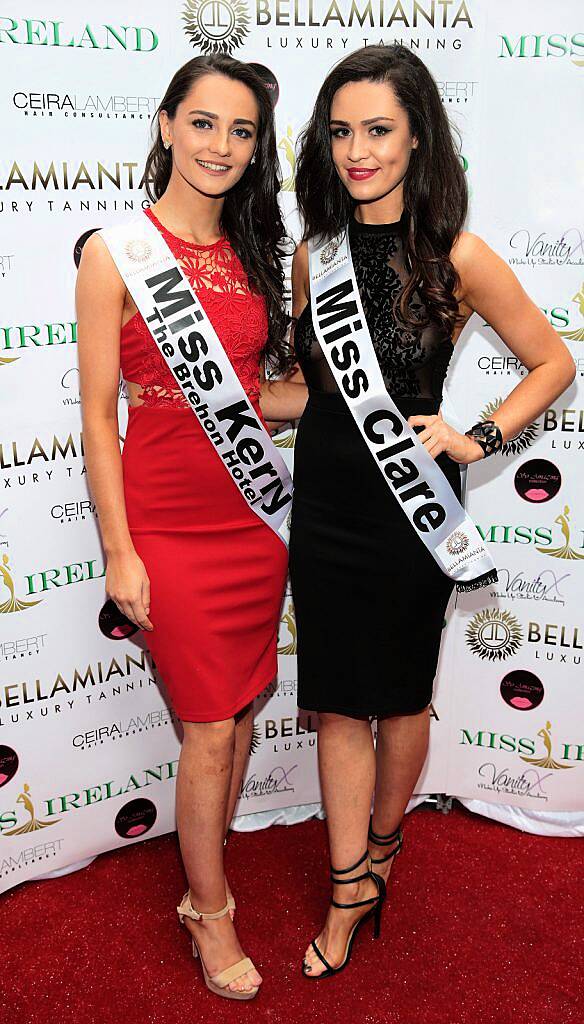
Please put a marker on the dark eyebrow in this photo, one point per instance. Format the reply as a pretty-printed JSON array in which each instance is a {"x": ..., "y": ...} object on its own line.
[
  {"x": 215, "y": 117},
  {"x": 369, "y": 120}
]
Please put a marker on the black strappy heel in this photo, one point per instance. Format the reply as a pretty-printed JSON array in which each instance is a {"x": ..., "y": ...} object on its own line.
[
  {"x": 376, "y": 905},
  {"x": 394, "y": 839}
]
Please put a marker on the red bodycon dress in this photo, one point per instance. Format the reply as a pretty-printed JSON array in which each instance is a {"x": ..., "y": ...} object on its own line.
[{"x": 217, "y": 572}]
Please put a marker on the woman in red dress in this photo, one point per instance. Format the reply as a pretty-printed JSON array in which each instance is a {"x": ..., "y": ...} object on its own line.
[{"x": 187, "y": 559}]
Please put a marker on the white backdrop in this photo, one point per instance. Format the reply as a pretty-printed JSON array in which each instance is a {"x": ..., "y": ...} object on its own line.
[{"x": 88, "y": 747}]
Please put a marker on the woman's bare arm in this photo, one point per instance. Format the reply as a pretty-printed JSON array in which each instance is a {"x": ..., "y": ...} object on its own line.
[
  {"x": 100, "y": 298},
  {"x": 489, "y": 287}
]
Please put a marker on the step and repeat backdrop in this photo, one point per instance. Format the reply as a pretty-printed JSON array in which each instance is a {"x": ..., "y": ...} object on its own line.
[{"x": 88, "y": 745}]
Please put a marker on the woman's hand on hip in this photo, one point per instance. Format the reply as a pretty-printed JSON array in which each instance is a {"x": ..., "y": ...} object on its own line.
[
  {"x": 437, "y": 437},
  {"x": 127, "y": 583}
]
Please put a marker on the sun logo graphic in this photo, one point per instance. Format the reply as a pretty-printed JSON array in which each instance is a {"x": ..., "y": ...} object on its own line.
[
  {"x": 289, "y": 620},
  {"x": 523, "y": 439},
  {"x": 216, "y": 26},
  {"x": 457, "y": 542},
  {"x": 256, "y": 738},
  {"x": 286, "y": 144},
  {"x": 138, "y": 250},
  {"x": 329, "y": 251},
  {"x": 493, "y": 634}
]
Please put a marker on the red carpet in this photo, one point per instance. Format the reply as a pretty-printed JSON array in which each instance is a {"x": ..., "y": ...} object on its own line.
[{"x": 484, "y": 925}]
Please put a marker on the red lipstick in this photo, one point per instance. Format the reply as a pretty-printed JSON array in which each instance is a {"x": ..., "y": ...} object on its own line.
[{"x": 361, "y": 173}]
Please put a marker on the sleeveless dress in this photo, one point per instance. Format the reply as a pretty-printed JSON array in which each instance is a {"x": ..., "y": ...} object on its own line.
[
  {"x": 217, "y": 572},
  {"x": 369, "y": 598}
]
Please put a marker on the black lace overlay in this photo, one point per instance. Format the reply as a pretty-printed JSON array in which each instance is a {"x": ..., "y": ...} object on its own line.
[{"x": 413, "y": 362}]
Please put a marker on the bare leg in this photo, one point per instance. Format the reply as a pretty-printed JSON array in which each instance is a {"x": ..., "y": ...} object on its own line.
[
  {"x": 202, "y": 794},
  {"x": 402, "y": 744},
  {"x": 243, "y": 732},
  {"x": 347, "y": 774}
]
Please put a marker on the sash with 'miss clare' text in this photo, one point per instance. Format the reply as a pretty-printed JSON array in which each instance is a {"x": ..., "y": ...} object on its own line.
[{"x": 411, "y": 474}]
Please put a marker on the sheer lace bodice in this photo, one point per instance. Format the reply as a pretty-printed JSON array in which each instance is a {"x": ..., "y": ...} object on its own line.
[
  {"x": 237, "y": 314},
  {"x": 413, "y": 362}
]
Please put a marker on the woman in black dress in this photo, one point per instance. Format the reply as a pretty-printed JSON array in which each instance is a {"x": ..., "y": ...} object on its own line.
[{"x": 378, "y": 156}]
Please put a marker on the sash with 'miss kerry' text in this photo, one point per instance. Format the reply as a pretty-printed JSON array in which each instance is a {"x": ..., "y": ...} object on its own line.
[{"x": 197, "y": 360}]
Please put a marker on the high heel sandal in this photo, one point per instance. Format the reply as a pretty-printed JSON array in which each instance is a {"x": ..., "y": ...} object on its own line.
[
  {"x": 394, "y": 839},
  {"x": 374, "y": 912},
  {"x": 230, "y": 898},
  {"x": 218, "y": 983}
]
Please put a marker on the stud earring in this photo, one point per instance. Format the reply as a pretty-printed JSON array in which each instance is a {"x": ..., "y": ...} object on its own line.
[
  {"x": 167, "y": 143},
  {"x": 253, "y": 159}
]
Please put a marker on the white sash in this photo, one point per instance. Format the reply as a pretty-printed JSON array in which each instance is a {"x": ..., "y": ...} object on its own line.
[
  {"x": 417, "y": 483},
  {"x": 196, "y": 359}
]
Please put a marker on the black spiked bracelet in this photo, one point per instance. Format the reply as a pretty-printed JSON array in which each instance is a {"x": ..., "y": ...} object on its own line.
[{"x": 488, "y": 435}]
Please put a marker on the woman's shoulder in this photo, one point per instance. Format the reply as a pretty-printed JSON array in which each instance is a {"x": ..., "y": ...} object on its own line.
[
  {"x": 467, "y": 249},
  {"x": 96, "y": 253},
  {"x": 100, "y": 246},
  {"x": 97, "y": 270},
  {"x": 477, "y": 265}
]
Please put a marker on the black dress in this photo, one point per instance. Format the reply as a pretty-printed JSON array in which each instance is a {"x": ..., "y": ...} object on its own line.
[{"x": 368, "y": 596}]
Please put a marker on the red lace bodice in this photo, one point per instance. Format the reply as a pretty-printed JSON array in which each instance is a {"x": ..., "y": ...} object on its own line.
[{"x": 237, "y": 314}]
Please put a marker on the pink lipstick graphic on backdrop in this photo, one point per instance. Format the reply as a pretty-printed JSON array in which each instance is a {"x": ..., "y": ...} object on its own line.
[
  {"x": 523, "y": 703},
  {"x": 537, "y": 480},
  {"x": 522, "y": 690},
  {"x": 536, "y": 494},
  {"x": 8, "y": 764},
  {"x": 135, "y": 818}
]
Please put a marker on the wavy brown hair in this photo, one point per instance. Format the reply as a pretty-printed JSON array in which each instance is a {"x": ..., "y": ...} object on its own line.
[
  {"x": 435, "y": 191},
  {"x": 250, "y": 218}
]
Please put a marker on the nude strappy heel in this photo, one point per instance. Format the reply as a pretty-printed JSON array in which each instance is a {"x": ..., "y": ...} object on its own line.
[
  {"x": 219, "y": 983},
  {"x": 230, "y": 899}
]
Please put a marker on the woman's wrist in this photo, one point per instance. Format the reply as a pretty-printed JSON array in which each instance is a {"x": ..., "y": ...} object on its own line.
[
  {"x": 119, "y": 551},
  {"x": 487, "y": 435},
  {"x": 476, "y": 453}
]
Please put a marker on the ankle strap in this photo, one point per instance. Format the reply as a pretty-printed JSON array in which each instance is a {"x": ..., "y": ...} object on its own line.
[
  {"x": 394, "y": 839},
  {"x": 362, "y": 903},
  {"x": 381, "y": 840},
  {"x": 186, "y": 909},
  {"x": 346, "y": 871}
]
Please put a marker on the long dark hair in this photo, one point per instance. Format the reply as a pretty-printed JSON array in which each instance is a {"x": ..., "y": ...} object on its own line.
[
  {"x": 435, "y": 192},
  {"x": 251, "y": 217}
]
